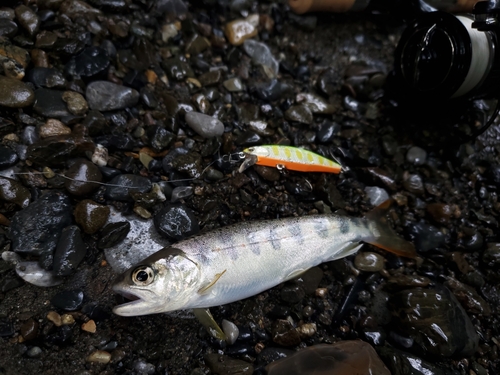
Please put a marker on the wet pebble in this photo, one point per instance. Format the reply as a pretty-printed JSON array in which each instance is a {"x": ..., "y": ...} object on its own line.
[
  {"x": 89, "y": 327},
  {"x": 416, "y": 155},
  {"x": 82, "y": 175},
  {"x": 90, "y": 62},
  {"x": 14, "y": 192},
  {"x": 426, "y": 236},
  {"x": 315, "y": 103},
  {"x": 283, "y": 333},
  {"x": 49, "y": 103},
  {"x": 91, "y": 216},
  {"x": 6, "y": 328},
  {"x": 261, "y": 55},
  {"x": 70, "y": 251},
  {"x": 239, "y": 30},
  {"x": 113, "y": 233},
  {"x": 492, "y": 253},
  {"x": 124, "y": 184},
  {"x": 76, "y": 103},
  {"x": 29, "y": 330},
  {"x": 8, "y": 28},
  {"x": 299, "y": 113},
  {"x": 36, "y": 229},
  {"x": 34, "y": 352},
  {"x": 231, "y": 331},
  {"x": 341, "y": 358},
  {"x": 441, "y": 213},
  {"x": 369, "y": 262},
  {"x": 181, "y": 192},
  {"x": 307, "y": 330},
  {"x": 204, "y": 125},
  {"x": 401, "y": 363},
  {"x": 233, "y": 85},
  {"x": 14, "y": 93},
  {"x": 99, "y": 356},
  {"x": 176, "y": 222},
  {"x": 68, "y": 300},
  {"x": 413, "y": 183},
  {"x": 28, "y": 19},
  {"x": 108, "y": 96},
  {"x": 468, "y": 297},
  {"x": 52, "y": 128},
  {"x": 225, "y": 365},
  {"x": 55, "y": 318},
  {"x": 292, "y": 293},
  {"x": 435, "y": 320},
  {"x": 376, "y": 195},
  {"x": 8, "y": 158}
]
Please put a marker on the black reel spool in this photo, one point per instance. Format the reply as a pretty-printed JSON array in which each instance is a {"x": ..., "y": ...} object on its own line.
[{"x": 443, "y": 63}]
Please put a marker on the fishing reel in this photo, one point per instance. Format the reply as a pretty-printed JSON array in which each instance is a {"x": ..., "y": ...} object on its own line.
[{"x": 444, "y": 62}]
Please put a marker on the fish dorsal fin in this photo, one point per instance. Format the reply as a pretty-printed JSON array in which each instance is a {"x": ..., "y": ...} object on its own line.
[{"x": 206, "y": 288}]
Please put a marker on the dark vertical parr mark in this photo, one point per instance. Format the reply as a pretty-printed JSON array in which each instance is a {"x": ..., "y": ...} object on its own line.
[
  {"x": 252, "y": 243},
  {"x": 321, "y": 228},
  {"x": 275, "y": 240},
  {"x": 296, "y": 231},
  {"x": 344, "y": 226}
]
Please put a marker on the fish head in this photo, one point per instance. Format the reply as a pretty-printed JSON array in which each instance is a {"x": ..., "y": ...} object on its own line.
[{"x": 163, "y": 282}]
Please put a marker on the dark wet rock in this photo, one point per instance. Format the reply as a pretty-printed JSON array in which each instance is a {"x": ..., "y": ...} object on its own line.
[
  {"x": 55, "y": 151},
  {"x": 197, "y": 44},
  {"x": 413, "y": 183},
  {"x": 328, "y": 82},
  {"x": 176, "y": 222},
  {"x": 369, "y": 262},
  {"x": 210, "y": 78},
  {"x": 124, "y": 184},
  {"x": 283, "y": 333},
  {"x": 36, "y": 229},
  {"x": 70, "y": 251},
  {"x": 272, "y": 90},
  {"x": 441, "y": 213},
  {"x": 292, "y": 293},
  {"x": 403, "y": 363},
  {"x": 8, "y": 28},
  {"x": 159, "y": 137},
  {"x": 225, "y": 365},
  {"x": 233, "y": 84},
  {"x": 181, "y": 192},
  {"x": 327, "y": 131},
  {"x": 341, "y": 358},
  {"x": 28, "y": 19},
  {"x": 204, "y": 125},
  {"x": 14, "y": 93},
  {"x": 10, "y": 281},
  {"x": 113, "y": 233},
  {"x": 416, "y": 155},
  {"x": 261, "y": 54},
  {"x": 90, "y": 62},
  {"x": 61, "y": 336},
  {"x": 435, "y": 320},
  {"x": 468, "y": 297},
  {"x": 425, "y": 236},
  {"x": 177, "y": 69},
  {"x": 189, "y": 163},
  {"x": 315, "y": 103},
  {"x": 68, "y": 300},
  {"x": 6, "y": 328},
  {"x": 268, "y": 173},
  {"x": 29, "y": 330},
  {"x": 49, "y": 103},
  {"x": 91, "y": 216},
  {"x": 82, "y": 176},
  {"x": 76, "y": 103},
  {"x": 14, "y": 192},
  {"x": 34, "y": 352},
  {"x": 46, "y": 77},
  {"x": 409, "y": 280},
  {"x": 77, "y": 8},
  {"x": 108, "y": 96},
  {"x": 491, "y": 255},
  {"x": 299, "y": 113}
]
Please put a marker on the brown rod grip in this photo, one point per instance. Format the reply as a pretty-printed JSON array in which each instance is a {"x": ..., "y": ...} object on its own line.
[{"x": 337, "y": 6}]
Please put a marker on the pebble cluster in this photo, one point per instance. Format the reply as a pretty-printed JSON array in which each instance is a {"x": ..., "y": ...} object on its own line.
[{"x": 120, "y": 124}]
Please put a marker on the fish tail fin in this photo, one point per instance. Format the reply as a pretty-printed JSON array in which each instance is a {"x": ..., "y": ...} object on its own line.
[{"x": 383, "y": 236}]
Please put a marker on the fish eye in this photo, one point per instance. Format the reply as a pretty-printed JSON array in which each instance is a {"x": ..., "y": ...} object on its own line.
[{"x": 143, "y": 275}]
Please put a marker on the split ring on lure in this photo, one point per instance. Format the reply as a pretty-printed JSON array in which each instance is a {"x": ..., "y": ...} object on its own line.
[{"x": 288, "y": 157}]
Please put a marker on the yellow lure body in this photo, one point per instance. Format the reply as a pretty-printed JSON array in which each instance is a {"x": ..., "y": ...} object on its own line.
[{"x": 292, "y": 158}]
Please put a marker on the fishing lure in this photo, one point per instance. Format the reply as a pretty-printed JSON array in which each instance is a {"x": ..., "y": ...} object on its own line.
[{"x": 288, "y": 157}]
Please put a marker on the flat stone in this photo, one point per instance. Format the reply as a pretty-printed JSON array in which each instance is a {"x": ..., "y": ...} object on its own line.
[
  {"x": 205, "y": 125},
  {"x": 49, "y": 103},
  {"x": 14, "y": 93},
  {"x": 108, "y": 96}
]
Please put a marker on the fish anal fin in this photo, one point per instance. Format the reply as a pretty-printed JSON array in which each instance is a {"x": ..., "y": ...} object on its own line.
[
  {"x": 348, "y": 249},
  {"x": 383, "y": 236},
  {"x": 294, "y": 274},
  {"x": 206, "y": 288}
]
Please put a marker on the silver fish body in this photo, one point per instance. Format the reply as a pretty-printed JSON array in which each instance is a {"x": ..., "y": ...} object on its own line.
[{"x": 236, "y": 262}]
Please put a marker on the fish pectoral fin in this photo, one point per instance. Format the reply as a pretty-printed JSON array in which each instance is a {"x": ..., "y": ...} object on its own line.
[
  {"x": 205, "y": 289},
  {"x": 207, "y": 320},
  {"x": 346, "y": 250},
  {"x": 294, "y": 274}
]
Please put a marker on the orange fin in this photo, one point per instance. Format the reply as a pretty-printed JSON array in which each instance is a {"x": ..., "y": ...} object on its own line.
[{"x": 383, "y": 236}]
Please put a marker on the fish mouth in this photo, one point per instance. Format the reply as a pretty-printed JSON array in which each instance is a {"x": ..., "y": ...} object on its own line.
[{"x": 132, "y": 307}]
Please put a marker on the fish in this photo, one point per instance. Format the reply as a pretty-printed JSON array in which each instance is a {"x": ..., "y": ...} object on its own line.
[
  {"x": 288, "y": 157},
  {"x": 239, "y": 261}
]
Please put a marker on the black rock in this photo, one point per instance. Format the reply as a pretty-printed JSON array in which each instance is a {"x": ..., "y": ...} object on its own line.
[
  {"x": 176, "y": 222},
  {"x": 400, "y": 363},
  {"x": 61, "y": 336},
  {"x": 68, "y": 300},
  {"x": 124, "y": 184},
  {"x": 327, "y": 131},
  {"x": 271, "y": 354},
  {"x": 10, "y": 281},
  {"x": 108, "y": 96},
  {"x": 46, "y": 77},
  {"x": 8, "y": 28},
  {"x": 36, "y": 229},
  {"x": 49, "y": 103},
  {"x": 90, "y": 62},
  {"x": 159, "y": 137},
  {"x": 426, "y": 236},
  {"x": 95, "y": 312},
  {"x": 6, "y": 328},
  {"x": 70, "y": 251},
  {"x": 113, "y": 233}
]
